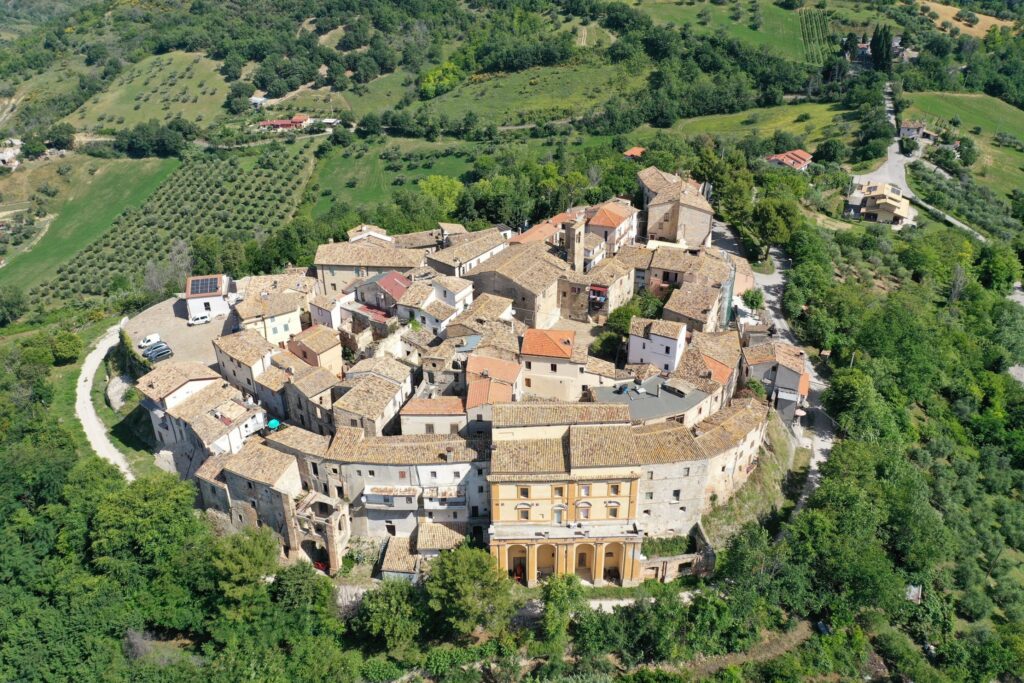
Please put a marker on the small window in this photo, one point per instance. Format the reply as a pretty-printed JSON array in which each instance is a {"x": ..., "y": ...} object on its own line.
[
  {"x": 584, "y": 513},
  {"x": 554, "y": 367},
  {"x": 650, "y": 474},
  {"x": 430, "y": 429},
  {"x": 649, "y": 495},
  {"x": 408, "y": 500},
  {"x": 723, "y": 468},
  {"x": 686, "y": 471},
  {"x": 585, "y": 490},
  {"x": 647, "y": 513},
  {"x": 668, "y": 350},
  {"x": 524, "y": 491},
  {"x": 354, "y": 423},
  {"x": 401, "y": 475},
  {"x": 524, "y": 515},
  {"x": 370, "y": 473},
  {"x": 359, "y": 473},
  {"x": 453, "y": 429},
  {"x": 559, "y": 492},
  {"x": 528, "y": 383},
  {"x": 316, "y": 470},
  {"x": 614, "y": 489},
  {"x": 676, "y": 495},
  {"x": 433, "y": 474},
  {"x": 529, "y": 365},
  {"x": 613, "y": 512},
  {"x": 479, "y": 471},
  {"x": 479, "y": 489}
]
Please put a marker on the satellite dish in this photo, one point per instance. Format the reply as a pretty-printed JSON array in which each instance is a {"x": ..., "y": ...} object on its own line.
[{"x": 274, "y": 423}]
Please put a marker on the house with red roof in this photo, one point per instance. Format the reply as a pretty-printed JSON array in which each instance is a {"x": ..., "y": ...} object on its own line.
[
  {"x": 796, "y": 159},
  {"x": 554, "y": 364},
  {"x": 297, "y": 122},
  {"x": 634, "y": 152},
  {"x": 382, "y": 291}
]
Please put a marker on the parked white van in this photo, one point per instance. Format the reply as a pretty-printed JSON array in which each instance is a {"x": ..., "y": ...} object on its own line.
[{"x": 200, "y": 319}]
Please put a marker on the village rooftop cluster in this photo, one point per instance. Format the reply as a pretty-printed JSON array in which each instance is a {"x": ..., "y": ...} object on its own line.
[{"x": 421, "y": 389}]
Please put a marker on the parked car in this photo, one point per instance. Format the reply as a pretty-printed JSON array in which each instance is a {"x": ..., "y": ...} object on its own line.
[
  {"x": 199, "y": 319},
  {"x": 155, "y": 348},
  {"x": 162, "y": 354},
  {"x": 149, "y": 341}
]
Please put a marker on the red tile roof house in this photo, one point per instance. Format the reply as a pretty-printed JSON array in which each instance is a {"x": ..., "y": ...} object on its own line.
[
  {"x": 634, "y": 152},
  {"x": 297, "y": 121},
  {"x": 796, "y": 159},
  {"x": 382, "y": 291}
]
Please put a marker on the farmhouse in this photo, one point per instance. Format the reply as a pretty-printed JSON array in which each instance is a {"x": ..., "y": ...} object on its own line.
[
  {"x": 782, "y": 369},
  {"x": 795, "y": 159},
  {"x": 880, "y": 203}
]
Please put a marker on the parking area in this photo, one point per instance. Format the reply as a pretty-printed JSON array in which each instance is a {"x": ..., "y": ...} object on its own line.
[{"x": 168, "y": 319}]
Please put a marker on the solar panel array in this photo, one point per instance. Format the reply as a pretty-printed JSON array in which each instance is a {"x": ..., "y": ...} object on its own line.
[{"x": 204, "y": 285}]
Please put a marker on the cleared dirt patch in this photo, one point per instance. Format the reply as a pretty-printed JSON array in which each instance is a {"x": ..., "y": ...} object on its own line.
[{"x": 985, "y": 22}]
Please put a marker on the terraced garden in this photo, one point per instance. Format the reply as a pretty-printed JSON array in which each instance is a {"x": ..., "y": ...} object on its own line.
[{"x": 234, "y": 197}]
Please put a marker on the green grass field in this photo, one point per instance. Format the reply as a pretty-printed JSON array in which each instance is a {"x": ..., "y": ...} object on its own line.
[
  {"x": 159, "y": 87},
  {"x": 999, "y": 168},
  {"x": 819, "y": 121},
  {"x": 85, "y": 208},
  {"x": 779, "y": 30},
  {"x": 540, "y": 94}
]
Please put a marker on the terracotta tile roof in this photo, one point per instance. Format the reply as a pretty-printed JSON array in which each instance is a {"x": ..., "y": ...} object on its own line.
[
  {"x": 314, "y": 381},
  {"x": 247, "y": 346},
  {"x": 592, "y": 241},
  {"x": 398, "y": 557},
  {"x": 410, "y": 449},
  {"x": 634, "y": 152},
  {"x": 601, "y": 446},
  {"x": 656, "y": 180},
  {"x": 344, "y": 441},
  {"x": 693, "y": 300},
  {"x": 723, "y": 347},
  {"x": 385, "y": 366},
  {"x": 494, "y": 368},
  {"x": 273, "y": 378},
  {"x": 486, "y": 391},
  {"x": 530, "y": 266},
  {"x": 794, "y": 158},
  {"x": 391, "y": 282},
  {"x": 452, "y": 228},
  {"x": 212, "y": 468},
  {"x": 417, "y": 294},
  {"x": 369, "y": 254},
  {"x": 213, "y": 411},
  {"x": 642, "y": 371},
  {"x": 291, "y": 280},
  {"x": 485, "y": 308},
  {"x": 441, "y": 405},
  {"x": 453, "y": 284},
  {"x": 548, "y": 343},
  {"x": 473, "y": 246},
  {"x": 539, "y": 233},
  {"x": 326, "y": 301},
  {"x": 367, "y": 396},
  {"x": 635, "y": 256},
  {"x": 666, "y": 442},
  {"x": 529, "y": 456},
  {"x": 269, "y": 306},
  {"x": 440, "y": 535},
  {"x": 168, "y": 377},
  {"x": 440, "y": 310},
  {"x": 603, "y": 368},
  {"x": 731, "y": 425},
  {"x": 610, "y": 214},
  {"x": 425, "y": 239},
  {"x": 645, "y": 327},
  {"x": 296, "y": 439},
  {"x": 318, "y": 338},
  {"x": 539, "y": 414}
]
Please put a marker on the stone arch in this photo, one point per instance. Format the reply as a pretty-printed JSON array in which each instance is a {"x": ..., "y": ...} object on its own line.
[
  {"x": 583, "y": 560},
  {"x": 517, "y": 562}
]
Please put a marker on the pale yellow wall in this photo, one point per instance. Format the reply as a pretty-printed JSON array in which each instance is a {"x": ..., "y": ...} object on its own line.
[{"x": 542, "y": 499}]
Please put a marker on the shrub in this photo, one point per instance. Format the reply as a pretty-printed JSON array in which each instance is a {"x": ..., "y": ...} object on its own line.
[
  {"x": 66, "y": 347},
  {"x": 380, "y": 670}
]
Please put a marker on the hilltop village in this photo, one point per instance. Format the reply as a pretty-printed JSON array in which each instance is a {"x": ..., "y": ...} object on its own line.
[{"x": 418, "y": 390}]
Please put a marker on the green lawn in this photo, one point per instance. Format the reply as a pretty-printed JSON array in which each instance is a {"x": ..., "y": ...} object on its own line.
[
  {"x": 779, "y": 30},
  {"x": 999, "y": 168},
  {"x": 373, "y": 182},
  {"x": 537, "y": 95},
  {"x": 86, "y": 208},
  {"x": 158, "y": 87},
  {"x": 819, "y": 121}
]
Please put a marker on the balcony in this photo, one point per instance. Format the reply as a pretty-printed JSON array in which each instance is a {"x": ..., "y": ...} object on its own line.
[
  {"x": 391, "y": 497},
  {"x": 444, "y": 498}
]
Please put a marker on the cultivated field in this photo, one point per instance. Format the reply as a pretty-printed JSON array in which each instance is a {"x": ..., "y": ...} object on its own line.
[
  {"x": 948, "y": 12},
  {"x": 779, "y": 30},
  {"x": 233, "y": 196},
  {"x": 1000, "y": 168},
  {"x": 813, "y": 120},
  {"x": 89, "y": 197},
  {"x": 158, "y": 87},
  {"x": 537, "y": 95}
]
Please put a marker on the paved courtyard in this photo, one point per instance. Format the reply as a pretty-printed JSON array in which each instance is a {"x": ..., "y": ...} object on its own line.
[{"x": 168, "y": 319}]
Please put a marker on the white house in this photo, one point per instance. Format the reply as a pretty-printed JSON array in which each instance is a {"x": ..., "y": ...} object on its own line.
[
  {"x": 436, "y": 302},
  {"x": 553, "y": 364},
  {"x": 167, "y": 386},
  {"x": 207, "y": 294},
  {"x": 660, "y": 343},
  {"x": 325, "y": 309},
  {"x": 440, "y": 415}
]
